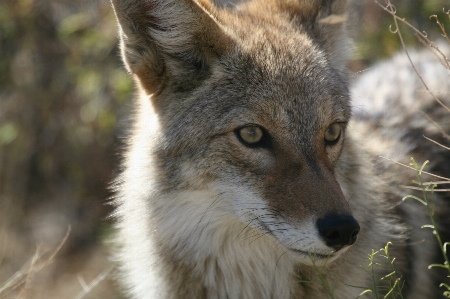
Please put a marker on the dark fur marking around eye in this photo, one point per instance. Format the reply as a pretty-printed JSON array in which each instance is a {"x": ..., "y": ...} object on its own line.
[{"x": 265, "y": 141}]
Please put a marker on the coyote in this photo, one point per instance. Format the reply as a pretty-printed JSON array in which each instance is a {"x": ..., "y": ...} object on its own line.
[{"x": 244, "y": 172}]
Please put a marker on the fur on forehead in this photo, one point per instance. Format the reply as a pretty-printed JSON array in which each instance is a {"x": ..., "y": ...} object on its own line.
[
  {"x": 175, "y": 43},
  {"x": 320, "y": 22}
]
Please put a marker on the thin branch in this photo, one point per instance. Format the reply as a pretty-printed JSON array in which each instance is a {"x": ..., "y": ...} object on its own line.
[
  {"x": 420, "y": 189},
  {"x": 416, "y": 31},
  {"x": 88, "y": 288},
  {"x": 445, "y": 135},
  {"x": 436, "y": 92},
  {"x": 441, "y": 26},
  {"x": 436, "y": 183},
  {"x": 30, "y": 269},
  {"x": 391, "y": 10},
  {"x": 435, "y": 142},
  {"x": 404, "y": 165}
]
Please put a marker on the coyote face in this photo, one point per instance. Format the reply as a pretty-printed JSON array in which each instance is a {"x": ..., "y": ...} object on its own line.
[
  {"x": 259, "y": 116},
  {"x": 273, "y": 156},
  {"x": 238, "y": 173}
]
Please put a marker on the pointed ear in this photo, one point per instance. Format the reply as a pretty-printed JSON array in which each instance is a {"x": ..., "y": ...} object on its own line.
[
  {"x": 326, "y": 20},
  {"x": 168, "y": 42}
]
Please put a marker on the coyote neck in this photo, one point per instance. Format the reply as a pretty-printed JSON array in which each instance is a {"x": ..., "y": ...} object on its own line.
[
  {"x": 219, "y": 253},
  {"x": 193, "y": 252}
]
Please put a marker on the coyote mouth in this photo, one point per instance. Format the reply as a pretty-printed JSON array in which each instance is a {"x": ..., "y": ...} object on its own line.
[
  {"x": 312, "y": 255},
  {"x": 306, "y": 255}
]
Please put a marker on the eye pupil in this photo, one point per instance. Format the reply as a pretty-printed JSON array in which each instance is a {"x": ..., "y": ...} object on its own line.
[
  {"x": 251, "y": 134},
  {"x": 333, "y": 133}
]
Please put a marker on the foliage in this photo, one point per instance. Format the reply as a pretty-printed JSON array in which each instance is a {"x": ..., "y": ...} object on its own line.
[
  {"x": 62, "y": 92},
  {"x": 428, "y": 200},
  {"x": 374, "y": 41}
]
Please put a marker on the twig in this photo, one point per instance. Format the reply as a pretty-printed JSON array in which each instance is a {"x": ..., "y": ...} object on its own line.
[
  {"x": 391, "y": 10},
  {"x": 87, "y": 288},
  {"x": 418, "y": 33},
  {"x": 420, "y": 189},
  {"x": 30, "y": 269},
  {"x": 404, "y": 165},
  {"x": 435, "y": 142},
  {"x": 445, "y": 135},
  {"x": 436, "y": 183},
  {"x": 444, "y": 34}
]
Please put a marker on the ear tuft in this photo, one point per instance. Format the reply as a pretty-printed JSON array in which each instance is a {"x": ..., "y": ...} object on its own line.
[
  {"x": 330, "y": 31},
  {"x": 326, "y": 22}
]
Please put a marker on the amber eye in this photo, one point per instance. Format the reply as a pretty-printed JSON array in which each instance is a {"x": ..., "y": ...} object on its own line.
[
  {"x": 251, "y": 134},
  {"x": 333, "y": 133}
]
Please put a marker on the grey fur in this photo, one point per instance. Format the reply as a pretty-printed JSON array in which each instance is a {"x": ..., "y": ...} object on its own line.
[{"x": 201, "y": 215}]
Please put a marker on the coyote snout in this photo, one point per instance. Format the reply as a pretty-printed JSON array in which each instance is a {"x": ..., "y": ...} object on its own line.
[{"x": 308, "y": 196}]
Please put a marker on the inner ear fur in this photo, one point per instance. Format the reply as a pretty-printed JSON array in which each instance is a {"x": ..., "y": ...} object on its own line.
[{"x": 169, "y": 42}]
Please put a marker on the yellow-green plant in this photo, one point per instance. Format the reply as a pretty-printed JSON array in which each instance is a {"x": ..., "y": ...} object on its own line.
[
  {"x": 329, "y": 288},
  {"x": 428, "y": 190},
  {"x": 388, "y": 286}
]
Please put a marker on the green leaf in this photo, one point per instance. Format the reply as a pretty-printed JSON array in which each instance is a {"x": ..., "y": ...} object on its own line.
[
  {"x": 414, "y": 197},
  {"x": 389, "y": 275},
  {"x": 427, "y": 226},
  {"x": 438, "y": 266},
  {"x": 363, "y": 293}
]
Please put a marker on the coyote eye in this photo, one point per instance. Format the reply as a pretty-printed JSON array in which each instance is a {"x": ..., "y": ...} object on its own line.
[
  {"x": 333, "y": 133},
  {"x": 251, "y": 135}
]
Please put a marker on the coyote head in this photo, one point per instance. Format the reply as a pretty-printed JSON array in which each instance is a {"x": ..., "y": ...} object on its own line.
[{"x": 251, "y": 101}]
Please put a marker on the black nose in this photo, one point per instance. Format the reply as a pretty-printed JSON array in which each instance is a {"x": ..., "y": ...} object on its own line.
[{"x": 338, "y": 231}]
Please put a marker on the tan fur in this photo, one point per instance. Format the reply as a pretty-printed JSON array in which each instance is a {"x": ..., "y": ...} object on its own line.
[{"x": 202, "y": 214}]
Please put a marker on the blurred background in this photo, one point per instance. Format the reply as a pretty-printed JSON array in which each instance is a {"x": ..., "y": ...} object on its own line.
[{"x": 65, "y": 105}]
